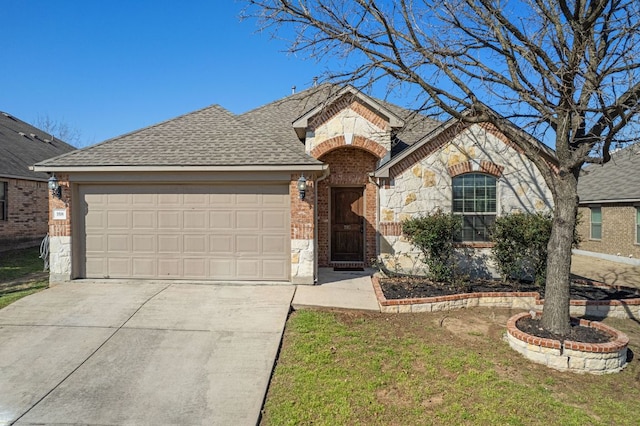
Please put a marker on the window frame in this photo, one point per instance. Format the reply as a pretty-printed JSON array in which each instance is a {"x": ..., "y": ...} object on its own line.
[
  {"x": 4, "y": 201},
  {"x": 592, "y": 209},
  {"x": 460, "y": 203}
]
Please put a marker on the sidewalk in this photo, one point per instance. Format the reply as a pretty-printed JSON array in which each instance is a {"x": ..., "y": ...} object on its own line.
[{"x": 606, "y": 271}]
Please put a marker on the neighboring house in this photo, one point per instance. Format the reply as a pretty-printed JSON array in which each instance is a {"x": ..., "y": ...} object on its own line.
[
  {"x": 214, "y": 196},
  {"x": 609, "y": 221},
  {"x": 24, "y": 205}
]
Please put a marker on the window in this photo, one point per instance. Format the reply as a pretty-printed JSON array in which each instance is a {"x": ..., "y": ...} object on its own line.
[
  {"x": 637, "y": 225},
  {"x": 596, "y": 223},
  {"x": 3, "y": 200},
  {"x": 474, "y": 199}
]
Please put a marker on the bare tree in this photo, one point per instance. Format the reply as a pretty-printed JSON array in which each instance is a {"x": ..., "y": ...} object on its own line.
[
  {"x": 59, "y": 129},
  {"x": 564, "y": 70}
]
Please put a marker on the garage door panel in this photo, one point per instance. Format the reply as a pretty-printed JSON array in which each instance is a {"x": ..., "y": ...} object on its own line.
[
  {"x": 247, "y": 220},
  {"x": 195, "y": 244},
  {"x": 118, "y": 243},
  {"x": 219, "y": 232},
  {"x": 274, "y": 220},
  {"x": 118, "y": 219},
  {"x": 169, "y": 220},
  {"x": 248, "y": 269},
  {"x": 144, "y": 243},
  {"x": 169, "y": 243},
  {"x": 144, "y": 267},
  {"x": 143, "y": 219},
  {"x": 247, "y": 244},
  {"x": 221, "y": 219}
]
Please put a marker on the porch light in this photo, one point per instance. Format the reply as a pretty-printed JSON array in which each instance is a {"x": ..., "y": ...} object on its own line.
[
  {"x": 55, "y": 188},
  {"x": 302, "y": 186}
]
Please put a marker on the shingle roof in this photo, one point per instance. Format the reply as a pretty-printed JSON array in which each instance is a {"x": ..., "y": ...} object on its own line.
[
  {"x": 214, "y": 136},
  {"x": 22, "y": 145},
  {"x": 208, "y": 137},
  {"x": 616, "y": 180}
]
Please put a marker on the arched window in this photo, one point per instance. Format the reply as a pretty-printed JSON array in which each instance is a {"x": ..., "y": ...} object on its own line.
[{"x": 474, "y": 199}]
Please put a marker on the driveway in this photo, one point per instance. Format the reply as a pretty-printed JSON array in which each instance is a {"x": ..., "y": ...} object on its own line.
[{"x": 140, "y": 353}]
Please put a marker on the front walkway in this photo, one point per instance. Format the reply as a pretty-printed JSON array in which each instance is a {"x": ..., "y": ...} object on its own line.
[{"x": 342, "y": 290}]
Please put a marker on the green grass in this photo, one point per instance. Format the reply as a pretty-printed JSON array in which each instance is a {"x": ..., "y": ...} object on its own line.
[
  {"x": 8, "y": 298},
  {"x": 16, "y": 264},
  {"x": 345, "y": 368}
]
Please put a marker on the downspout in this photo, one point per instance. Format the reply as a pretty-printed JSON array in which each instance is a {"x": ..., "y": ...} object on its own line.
[{"x": 325, "y": 174}]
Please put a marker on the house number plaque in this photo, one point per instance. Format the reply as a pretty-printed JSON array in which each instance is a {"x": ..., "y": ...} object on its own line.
[{"x": 59, "y": 214}]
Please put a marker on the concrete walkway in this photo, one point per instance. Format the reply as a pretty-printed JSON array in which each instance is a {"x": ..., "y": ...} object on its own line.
[
  {"x": 606, "y": 271},
  {"x": 343, "y": 290},
  {"x": 140, "y": 353}
]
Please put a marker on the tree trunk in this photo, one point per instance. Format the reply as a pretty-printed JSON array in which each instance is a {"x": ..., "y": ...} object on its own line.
[{"x": 556, "y": 300}]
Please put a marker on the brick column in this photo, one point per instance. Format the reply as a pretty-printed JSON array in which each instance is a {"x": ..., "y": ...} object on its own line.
[{"x": 60, "y": 260}]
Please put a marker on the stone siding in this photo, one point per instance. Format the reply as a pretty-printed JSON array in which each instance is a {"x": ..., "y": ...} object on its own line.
[
  {"x": 422, "y": 185},
  {"x": 618, "y": 230}
]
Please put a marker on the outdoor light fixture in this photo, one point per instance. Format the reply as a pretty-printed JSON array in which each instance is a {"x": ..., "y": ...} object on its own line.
[
  {"x": 55, "y": 188},
  {"x": 302, "y": 186}
]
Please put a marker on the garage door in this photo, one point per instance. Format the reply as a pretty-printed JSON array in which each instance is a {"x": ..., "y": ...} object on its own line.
[{"x": 231, "y": 232}]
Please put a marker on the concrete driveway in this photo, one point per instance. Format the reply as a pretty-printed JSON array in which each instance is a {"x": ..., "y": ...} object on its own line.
[{"x": 140, "y": 353}]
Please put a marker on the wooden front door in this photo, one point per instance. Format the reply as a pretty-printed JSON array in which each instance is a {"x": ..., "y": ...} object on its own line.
[{"x": 347, "y": 224}]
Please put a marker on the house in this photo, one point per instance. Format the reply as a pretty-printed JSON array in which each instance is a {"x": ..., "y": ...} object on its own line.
[
  {"x": 24, "y": 205},
  {"x": 609, "y": 209},
  {"x": 321, "y": 178}
]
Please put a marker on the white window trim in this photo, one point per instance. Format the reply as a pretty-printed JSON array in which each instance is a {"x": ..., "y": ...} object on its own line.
[{"x": 591, "y": 207}]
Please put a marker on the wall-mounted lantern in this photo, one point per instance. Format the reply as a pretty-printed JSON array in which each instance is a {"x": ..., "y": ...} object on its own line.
[
  {"x": 54, "y": 186},
  {"x": 302, "y": 186}
]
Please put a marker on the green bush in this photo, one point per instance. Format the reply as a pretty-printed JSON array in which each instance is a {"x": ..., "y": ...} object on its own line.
[
  {"x": 520, "y": 245},
  {"x": 433, "y": 235}
]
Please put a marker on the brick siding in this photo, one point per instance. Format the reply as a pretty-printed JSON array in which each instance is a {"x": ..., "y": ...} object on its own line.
[
  {"x": 302, "y": 223},
  {"x": 618, "y": 230},
  {"x": 349, "y": 167},
  {"x": 61, "y": 228},
  {"x": 27, "y": 212}
]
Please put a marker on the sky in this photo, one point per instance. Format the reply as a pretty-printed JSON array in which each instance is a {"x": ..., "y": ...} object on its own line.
[{"x": 106, "y": 68}]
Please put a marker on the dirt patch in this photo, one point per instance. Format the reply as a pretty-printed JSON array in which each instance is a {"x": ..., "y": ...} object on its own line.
[{"x": 578, "y": 333}]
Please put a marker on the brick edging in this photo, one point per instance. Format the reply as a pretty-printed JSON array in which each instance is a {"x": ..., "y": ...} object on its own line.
[{"x": 535, "y": 297}]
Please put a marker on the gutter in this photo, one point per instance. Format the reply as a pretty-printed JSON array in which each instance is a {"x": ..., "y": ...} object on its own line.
[{"x": 176, "y": 168}]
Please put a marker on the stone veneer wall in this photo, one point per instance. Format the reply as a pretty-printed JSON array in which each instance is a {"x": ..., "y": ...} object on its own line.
[
  {"x": 421, "y": 184},
  {"x": 60, "y": 248},
  {"x": 618, "y": 230}
]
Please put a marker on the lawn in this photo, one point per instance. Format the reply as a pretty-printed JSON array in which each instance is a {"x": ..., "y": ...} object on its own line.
[
  {"x": 20, "y": 275},
  {"x": 339, "y": 368}
]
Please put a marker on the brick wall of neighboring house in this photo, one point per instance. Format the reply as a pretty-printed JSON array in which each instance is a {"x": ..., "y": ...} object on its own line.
[
  {"x": 348, "y": 167},
  {"x": 618, "y": 230},
  {"x": 27, "y": 213},
  {"x": 423, "y": 182}
]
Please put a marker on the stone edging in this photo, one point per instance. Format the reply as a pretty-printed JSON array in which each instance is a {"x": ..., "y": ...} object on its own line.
[
  {"x": 627, "y": 308},
  {"x": 595, "y": 358}
]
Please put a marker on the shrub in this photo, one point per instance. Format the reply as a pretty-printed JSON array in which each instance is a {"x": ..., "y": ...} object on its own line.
[
  {"x": 433, "y": 235},
  {"x": 520, "y": 245}
]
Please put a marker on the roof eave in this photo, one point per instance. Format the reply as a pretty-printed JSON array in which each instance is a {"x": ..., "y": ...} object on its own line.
[{"x": 176, "y": 168}]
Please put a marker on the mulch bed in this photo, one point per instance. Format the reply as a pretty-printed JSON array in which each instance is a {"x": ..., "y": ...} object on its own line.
[
  {"x": 414, "y": 287},
  {"x": 578, "y": 333}
]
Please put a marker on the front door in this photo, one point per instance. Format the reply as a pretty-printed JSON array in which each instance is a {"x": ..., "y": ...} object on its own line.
[{"x": 347, "y": 224}]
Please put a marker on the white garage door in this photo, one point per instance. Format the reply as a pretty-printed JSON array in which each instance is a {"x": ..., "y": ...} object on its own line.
[{"x": 212, "y": 232}]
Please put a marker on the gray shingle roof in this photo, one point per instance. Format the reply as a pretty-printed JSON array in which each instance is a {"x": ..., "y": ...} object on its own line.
[
  {"x": 22, "y": 145},
  {"x": 214, "y": 136},
  {"x": 616, "y": 180}
]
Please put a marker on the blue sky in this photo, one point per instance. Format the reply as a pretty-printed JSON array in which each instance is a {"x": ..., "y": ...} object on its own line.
[{"x": 111, "y": 67}]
